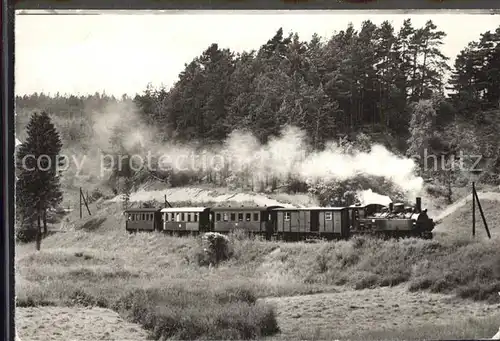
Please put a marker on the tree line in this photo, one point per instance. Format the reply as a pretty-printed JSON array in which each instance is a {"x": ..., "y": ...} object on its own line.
[{"x": 354, "y": 79}]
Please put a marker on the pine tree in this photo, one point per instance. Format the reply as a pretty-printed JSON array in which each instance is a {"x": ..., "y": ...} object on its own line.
[{"x": 38, "y": 187}]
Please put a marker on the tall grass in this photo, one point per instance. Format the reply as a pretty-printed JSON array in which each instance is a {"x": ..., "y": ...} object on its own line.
[{"x": 156, "y": 280}]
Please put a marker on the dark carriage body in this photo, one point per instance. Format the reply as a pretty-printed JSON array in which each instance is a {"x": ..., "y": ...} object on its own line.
[
  {"x": 182, "y": 220},
  {"x": 316, "y": 222},
  {"x": 252, "y": 219},
  {"x": 143, "y": 219}
]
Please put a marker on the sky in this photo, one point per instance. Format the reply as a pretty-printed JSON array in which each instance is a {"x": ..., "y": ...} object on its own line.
[{"x": 122, "y": 53}]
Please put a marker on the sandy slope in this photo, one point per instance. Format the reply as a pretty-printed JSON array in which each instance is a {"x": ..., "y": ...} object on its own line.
[
  {"x": 194, "y": 195},
  {"x": 64, "y": 323},
  {"x": 494, "y": 196}
]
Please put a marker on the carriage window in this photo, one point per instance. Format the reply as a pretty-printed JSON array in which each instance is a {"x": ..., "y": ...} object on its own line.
[
  {"x": 233, "y": 216},
  {"x": 328, "y": 215},
  {"x": 240, "y": 216},
  {"x": 248, "y": 217},
  {"x": 165, "y": 216},
  {"x": 172, "y": 216},
  {"x": 255, "y": 217},
  {"x": 131, "y": 217},
  {"x": 217, "y": 217},
  {"x": 182, "y": 216},
  {"x": 225, "y": 217},
  {"x": 287, "y": 216},
  {"x": 189, "y": 217},
  {"x": 196, "y": 217},
  {"x": 143, "y": 216},
  {"x": 178, "y": 217}
]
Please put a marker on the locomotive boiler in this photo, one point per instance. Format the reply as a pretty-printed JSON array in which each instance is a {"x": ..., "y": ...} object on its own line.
[{"x": 395, "y": 220}]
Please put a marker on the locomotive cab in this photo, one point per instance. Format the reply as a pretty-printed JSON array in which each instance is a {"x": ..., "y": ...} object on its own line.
[{"x": 398, "y": 207}]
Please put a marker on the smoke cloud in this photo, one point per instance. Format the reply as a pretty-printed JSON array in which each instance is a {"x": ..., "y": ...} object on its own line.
[{"x": 241, "y": 156}]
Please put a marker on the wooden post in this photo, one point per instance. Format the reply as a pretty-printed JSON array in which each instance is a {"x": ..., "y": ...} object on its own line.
[
  {"x": 85, "y": 202},
  {"x": 482, "y": 214},
  {"x": 81, "y": 216},
  {"x": 39, "y": 229},
  {"x": 473, "y": 210},
  {"x": 45, "y": 232}
]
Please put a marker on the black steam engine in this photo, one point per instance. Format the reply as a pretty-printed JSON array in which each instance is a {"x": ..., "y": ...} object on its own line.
[
  {"x": 394, "y": 220},
  {"x": 276, "y": 222}
]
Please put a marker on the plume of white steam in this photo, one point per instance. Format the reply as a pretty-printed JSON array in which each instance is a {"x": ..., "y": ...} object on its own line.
[
  {"x": 367, "y": 197},
  {"x": 332, "y": 164},
  {"x": 123, "y": 116},
  {"x": 241, "y": 154}
]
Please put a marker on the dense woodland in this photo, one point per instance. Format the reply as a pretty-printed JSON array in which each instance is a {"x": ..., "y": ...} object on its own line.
[{"x": 393, "y": 87}]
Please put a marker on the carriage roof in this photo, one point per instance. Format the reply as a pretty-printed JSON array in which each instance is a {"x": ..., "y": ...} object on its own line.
[
  {"x": 326, "y": 209},
  {"x": 142, "y": 210},
  {"x": 244, "y": 208},
  {"x": 184, "y": 209}
]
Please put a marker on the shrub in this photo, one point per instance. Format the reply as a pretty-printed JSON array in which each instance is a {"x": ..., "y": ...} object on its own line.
[
  {"x": 215, "y": 249},
  {"x": 187, "y": 315},
  {"x": 95, "y": 195}
]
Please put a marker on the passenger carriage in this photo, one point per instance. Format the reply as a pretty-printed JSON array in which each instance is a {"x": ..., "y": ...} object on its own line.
[
  {"x": 253, "y": 220},
  {"x": 185, "y": 220},
  {"x": 142, "y": 219}
]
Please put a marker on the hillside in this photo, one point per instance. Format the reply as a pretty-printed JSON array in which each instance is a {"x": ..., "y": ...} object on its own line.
[
  {"x": 456, "y": 221},
  {"x": 87, "y": 264}
]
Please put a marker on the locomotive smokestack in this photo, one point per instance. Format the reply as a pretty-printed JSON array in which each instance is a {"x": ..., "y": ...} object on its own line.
[{"x": 418, "y": 205}]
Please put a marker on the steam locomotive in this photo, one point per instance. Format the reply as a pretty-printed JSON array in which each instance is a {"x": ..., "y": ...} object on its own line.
[{"x": 285, "y": 223}]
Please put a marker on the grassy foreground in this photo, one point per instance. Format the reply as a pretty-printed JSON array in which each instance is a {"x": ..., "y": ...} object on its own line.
[{"x": 155, "y": 280}]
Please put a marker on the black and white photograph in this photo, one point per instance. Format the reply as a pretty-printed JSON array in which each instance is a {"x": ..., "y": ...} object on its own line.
[{"x": 257, "y": 175}]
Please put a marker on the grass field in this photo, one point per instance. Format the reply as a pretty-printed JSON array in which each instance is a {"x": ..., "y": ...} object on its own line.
[{"x": 267, "y": 289}]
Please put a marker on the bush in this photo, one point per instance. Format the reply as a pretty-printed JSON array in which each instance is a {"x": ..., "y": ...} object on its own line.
[
  {"x": 81, "y": 297},
  {"x": 187, "y": 315},
  {"x": 436, "y": 190},
  {"x": 95, "y": 195},
  {"x": 215, "y": 248}
]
